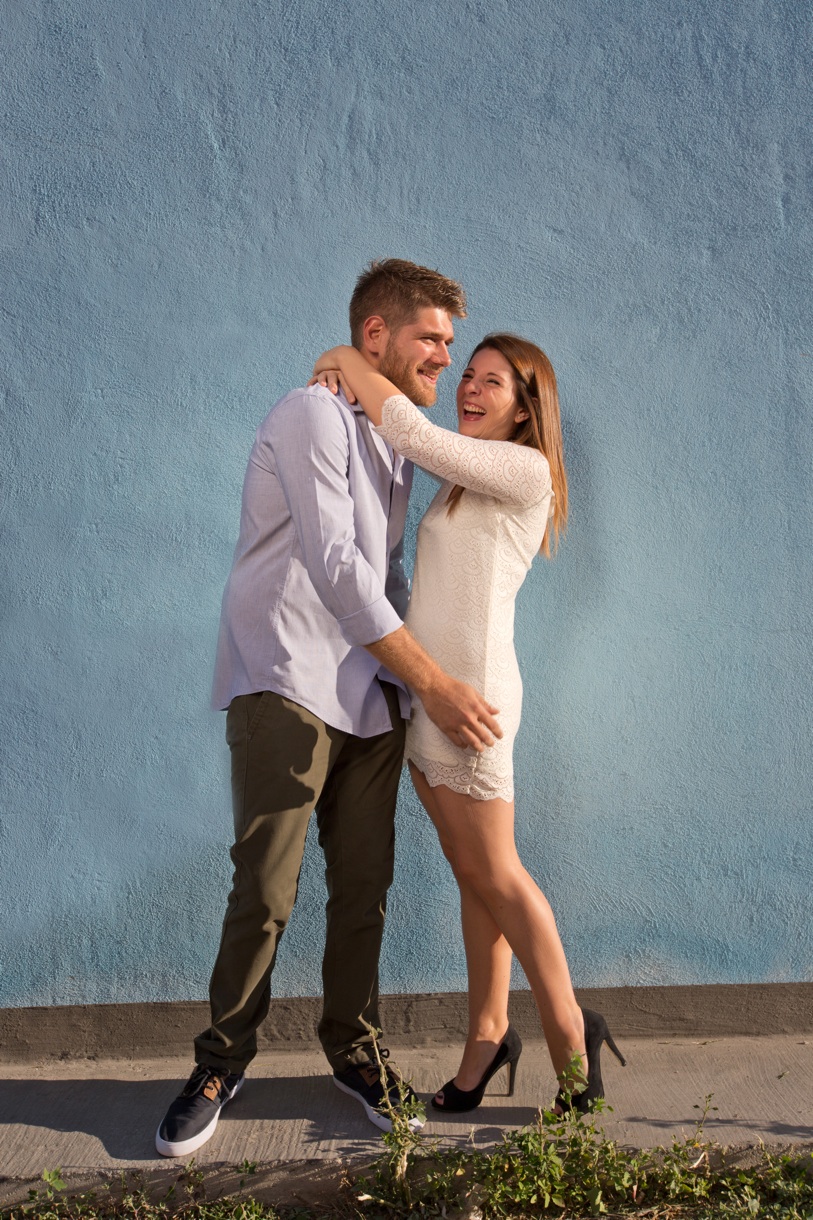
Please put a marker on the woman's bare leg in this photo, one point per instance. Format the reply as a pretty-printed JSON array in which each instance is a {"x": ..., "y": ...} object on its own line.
[
  {"x": 478, "y": 839},
  {"x": 488, "y": 964}
]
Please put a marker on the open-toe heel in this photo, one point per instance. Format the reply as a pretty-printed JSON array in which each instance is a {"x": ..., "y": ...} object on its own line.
[{"x": 457, "y": 1100}]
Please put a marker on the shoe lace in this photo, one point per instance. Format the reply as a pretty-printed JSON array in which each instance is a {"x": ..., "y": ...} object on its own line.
[
  {"x": 371, "y": 1071},
  {"x": 200, "y": 1077}
]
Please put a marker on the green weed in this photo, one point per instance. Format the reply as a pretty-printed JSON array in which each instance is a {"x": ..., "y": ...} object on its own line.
[
  {"x": 560, "y": 1166},
  {"x": 567, "y": 1166},
  {"x": 403, "y": 1144}
]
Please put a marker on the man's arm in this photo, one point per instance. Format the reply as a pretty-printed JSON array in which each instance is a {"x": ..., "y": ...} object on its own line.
[
  {"x": 397, "y": 585},
  {"x": 311, "y": 463},
  {"x": 310, "y": 450},
  {"x": 455, "y": 707}
]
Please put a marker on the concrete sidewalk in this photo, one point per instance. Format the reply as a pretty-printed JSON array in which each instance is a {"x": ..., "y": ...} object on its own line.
[{"x": 96, "y": 1118}]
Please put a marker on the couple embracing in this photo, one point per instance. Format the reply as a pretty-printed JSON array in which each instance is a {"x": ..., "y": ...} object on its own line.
[{"x": 332, "y": 676}]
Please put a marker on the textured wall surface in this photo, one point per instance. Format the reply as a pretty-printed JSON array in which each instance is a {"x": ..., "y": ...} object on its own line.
[{"x": 190, "y": 191}]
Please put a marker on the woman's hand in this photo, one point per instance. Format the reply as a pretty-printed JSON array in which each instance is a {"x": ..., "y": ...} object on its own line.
[
  {"x": 332, "y": 379},
  {"x": 346, "y": 367},
  {"x": 327, "y": 372}
]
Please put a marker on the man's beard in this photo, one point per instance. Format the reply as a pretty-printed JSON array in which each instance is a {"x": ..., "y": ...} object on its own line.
[{"x": 403, "y": 374}]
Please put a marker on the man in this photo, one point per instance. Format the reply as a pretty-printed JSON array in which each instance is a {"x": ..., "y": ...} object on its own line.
[{"x": 312, "y": 662}]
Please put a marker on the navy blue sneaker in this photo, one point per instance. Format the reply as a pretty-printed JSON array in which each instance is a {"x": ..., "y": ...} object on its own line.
[
  {"x": 363, "y": 1081},
  {"x": 191, "y": 1119}
]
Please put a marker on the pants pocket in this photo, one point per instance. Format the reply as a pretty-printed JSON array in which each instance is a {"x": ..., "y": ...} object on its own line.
[{"x": 256, "y": 710}]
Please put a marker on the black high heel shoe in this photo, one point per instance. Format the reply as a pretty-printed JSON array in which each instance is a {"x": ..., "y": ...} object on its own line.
[
  {"x": 595, "y": 1032},
  {"x": 457, "y": 1100}
]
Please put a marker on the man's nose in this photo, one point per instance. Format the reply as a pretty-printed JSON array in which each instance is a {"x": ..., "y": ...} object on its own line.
[{"x": 443, "y": 356}]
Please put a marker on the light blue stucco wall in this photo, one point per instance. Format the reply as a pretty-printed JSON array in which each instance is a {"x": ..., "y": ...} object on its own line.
[{"x": 190, "y": 191}]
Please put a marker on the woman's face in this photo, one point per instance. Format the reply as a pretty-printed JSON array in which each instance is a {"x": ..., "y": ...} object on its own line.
[{"x": 486, "y": 401}]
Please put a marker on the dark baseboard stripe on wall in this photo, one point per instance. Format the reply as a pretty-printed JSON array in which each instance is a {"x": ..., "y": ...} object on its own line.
[{"x": 144, "y": 1031}]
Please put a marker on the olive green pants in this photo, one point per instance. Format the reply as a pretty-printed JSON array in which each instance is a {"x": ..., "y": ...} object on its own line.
[{"x": 285, "y": 763}]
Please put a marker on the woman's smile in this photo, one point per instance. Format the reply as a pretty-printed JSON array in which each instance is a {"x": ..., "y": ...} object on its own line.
[{"x": 486, "y": 399}]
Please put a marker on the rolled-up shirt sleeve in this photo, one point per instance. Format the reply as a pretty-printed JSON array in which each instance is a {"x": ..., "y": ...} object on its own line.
[{"x": 311, "y": 451}]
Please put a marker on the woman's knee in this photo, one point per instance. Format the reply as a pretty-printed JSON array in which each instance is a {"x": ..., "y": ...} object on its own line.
[{"x": 488, "y": 878}]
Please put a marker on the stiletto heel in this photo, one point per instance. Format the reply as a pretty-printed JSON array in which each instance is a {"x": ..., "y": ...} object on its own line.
[
  {"x": 512, "y": 1073},
  {"x": 595, "y": 1032},
  {"x": 457, "y": 1100},
  {"x": 608, "y": 1038}
]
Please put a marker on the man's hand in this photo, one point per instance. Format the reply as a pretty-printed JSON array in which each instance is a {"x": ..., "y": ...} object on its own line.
[
  {"x": 461, "y": 713},
  {"x": 456, "y": 708}
]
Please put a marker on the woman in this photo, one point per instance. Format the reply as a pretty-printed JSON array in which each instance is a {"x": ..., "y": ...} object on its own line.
[{"x": 502, "y": 499}]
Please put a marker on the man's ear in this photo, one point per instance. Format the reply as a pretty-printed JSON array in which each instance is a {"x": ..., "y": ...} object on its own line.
[{"x": 374, "y": 335}]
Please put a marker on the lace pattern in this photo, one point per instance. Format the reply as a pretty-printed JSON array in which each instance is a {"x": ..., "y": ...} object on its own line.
[
  {"x": 468, "y": 569},
  {"x": 451, "y": 775},
  {"x": 512, "y": 474}
]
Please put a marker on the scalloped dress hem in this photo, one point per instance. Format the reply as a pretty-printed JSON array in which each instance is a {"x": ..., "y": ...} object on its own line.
[{"x": 437, "y": 774}]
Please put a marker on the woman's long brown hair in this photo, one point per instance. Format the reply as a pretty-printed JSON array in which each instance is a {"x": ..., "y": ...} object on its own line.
[{"x": 536, "y": 392}]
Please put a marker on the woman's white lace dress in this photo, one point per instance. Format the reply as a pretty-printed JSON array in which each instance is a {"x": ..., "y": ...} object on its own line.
[{"x": 468, "y": 569}]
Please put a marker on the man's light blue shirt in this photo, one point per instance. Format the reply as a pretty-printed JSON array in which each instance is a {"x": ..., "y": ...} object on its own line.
[{"x": 317, "y": 570}]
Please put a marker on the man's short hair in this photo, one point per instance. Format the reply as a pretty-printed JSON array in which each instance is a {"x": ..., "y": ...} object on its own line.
[{"x": 396, "y": 290}]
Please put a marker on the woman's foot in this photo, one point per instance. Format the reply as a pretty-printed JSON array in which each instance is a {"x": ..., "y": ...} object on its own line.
[
  {"x": 575, "y": 1074},
  {"x": 572, "y": 1082},
  {"x": 478, "y": 1053},
  {"x": 492, "y": 1056},
  {"x": 582, "y": 1096}
]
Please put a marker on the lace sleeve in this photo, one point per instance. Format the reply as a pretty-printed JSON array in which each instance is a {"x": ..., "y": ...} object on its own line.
[{"x": 511, "y": 473}]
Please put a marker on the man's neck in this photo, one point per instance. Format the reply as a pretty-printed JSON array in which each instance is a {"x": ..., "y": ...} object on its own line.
[{"x": 373, "y": 359}]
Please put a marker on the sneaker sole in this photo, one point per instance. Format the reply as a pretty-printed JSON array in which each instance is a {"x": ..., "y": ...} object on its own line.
[
  {"x": 379, "y": 1120},
  {"x": 184, "y": 1147}
]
